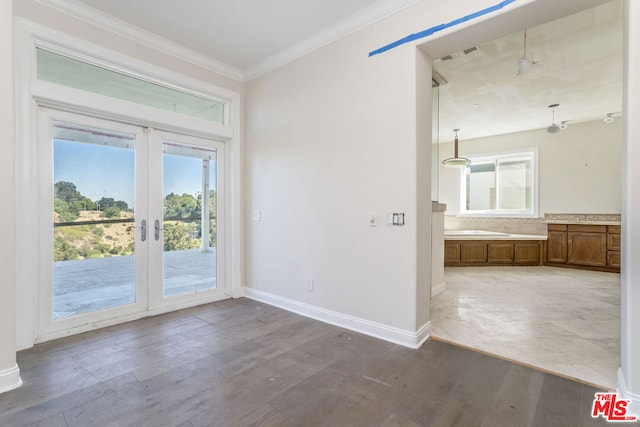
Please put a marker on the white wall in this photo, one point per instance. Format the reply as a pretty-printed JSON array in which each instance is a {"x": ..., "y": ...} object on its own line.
[
  {"x": 9, "y": 374},
  {"x": 579, "y": 168},
  {"x": 331, "y": 137}
]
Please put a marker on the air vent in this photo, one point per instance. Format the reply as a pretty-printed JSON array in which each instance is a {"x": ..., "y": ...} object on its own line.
[{"x": 459, "y": 54}]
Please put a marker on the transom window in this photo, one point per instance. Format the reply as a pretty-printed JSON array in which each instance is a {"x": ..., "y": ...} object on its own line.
[
  {"x": 60, "y": 69},
  {"x": 502, "y": 185}
]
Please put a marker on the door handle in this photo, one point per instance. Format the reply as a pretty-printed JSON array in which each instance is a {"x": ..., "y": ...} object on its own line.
[
  {"x": 157, "y": 229},
  {"x": 143, "y": 230}
]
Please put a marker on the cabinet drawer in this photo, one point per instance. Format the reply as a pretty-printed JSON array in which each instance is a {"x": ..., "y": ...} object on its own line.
[
  {"x": 557, "y": 227},
  {"x": 614, "y": 229},
  {"x": 588, "y": 228}
]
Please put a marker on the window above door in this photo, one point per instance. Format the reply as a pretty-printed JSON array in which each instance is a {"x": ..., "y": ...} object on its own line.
[{"x": 64, "y": 70}]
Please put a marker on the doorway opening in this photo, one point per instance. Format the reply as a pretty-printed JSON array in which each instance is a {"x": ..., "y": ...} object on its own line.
[{"x": 565, "y": 188}]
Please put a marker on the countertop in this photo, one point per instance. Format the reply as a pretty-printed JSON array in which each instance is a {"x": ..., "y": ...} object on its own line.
[{"x": 583, "y": 222}]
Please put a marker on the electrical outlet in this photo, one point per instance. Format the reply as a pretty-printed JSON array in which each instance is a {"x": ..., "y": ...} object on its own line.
[{"x": 309, "y": 284}]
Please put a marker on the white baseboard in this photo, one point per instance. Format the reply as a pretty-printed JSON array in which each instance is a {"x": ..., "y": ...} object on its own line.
[
  {"x": 378, "y": 330},
  {"x": 623, "y": 392},
  {"x": 10, "y": 379}
]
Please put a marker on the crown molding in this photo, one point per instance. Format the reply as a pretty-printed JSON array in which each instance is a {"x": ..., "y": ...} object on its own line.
[
  {"x": 110, "y": 23},
  {"x": 351, "y": 24}
]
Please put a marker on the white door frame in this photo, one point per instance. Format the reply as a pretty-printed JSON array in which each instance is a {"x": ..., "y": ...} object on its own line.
[
  {"x": 149, "y": 298},
  {"x": 32, "y": 93}
]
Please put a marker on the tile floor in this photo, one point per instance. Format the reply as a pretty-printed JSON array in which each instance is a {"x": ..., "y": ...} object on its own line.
[{"x": 562, "y": 320}]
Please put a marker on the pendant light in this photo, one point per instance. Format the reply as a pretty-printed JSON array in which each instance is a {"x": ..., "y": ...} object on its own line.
[
  {"x": 455, "y": 161},
  {"x": 553, "y": 128},
  {"x": 525, "y": 63}
]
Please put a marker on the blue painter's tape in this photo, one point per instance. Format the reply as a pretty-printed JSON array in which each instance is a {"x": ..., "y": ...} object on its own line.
[{"x": 435, "y": 29}]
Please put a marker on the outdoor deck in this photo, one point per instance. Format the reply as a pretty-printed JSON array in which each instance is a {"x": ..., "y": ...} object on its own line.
[{"x": 88, "y": 285}]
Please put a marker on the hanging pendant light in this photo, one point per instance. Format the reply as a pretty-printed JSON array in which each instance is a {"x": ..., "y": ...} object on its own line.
[
  {"x": 553, "y": 128},
  {"x": 525, "y": 63},
  {"x": 455, "y": 161}
]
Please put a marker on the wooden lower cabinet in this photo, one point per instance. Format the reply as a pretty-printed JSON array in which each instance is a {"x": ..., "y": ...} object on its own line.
[
  {"x": 492, "y": 252},
  {"x": 451, "y": 253},
  {"x": 473, "y": 253},
  {"x": 500, "y": 253},
  {"x": 528, "y": 254},
  {"x": 587, "y": 249},
  {"x": 587, "y": 246},
  {"x": 613, "y": 247},
  {"x": 557, "y": 244}
]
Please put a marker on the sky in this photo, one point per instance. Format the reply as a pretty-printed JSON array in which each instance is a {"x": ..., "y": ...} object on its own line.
[{"x": 103, "y": 171}]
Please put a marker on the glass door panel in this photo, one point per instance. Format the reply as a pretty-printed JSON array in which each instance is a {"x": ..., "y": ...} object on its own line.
[
  {"x": 189, "y": 228},
  {"x": 93, "y": 219}
]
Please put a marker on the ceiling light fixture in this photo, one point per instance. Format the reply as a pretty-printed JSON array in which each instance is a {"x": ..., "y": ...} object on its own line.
[
  {"x": 455, "y": 161},
  {"x": 524, "y": 63},
  {"x": 563, "y": 125},
  {"x": 609, "y": 118},
  {"x": 554, "y": 128}
]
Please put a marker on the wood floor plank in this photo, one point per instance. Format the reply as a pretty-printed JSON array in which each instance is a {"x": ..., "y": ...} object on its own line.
[
  {"x": 240, "y": 363},
  {"x": 516, "y": 401}
]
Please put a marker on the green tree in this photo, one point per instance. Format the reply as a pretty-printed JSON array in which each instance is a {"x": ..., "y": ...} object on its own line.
[
  {"x": 108, "y": 202},
  {"x": 179, "y": 236},
  {"x": 65, "y": 212},
  {"x": 111, "y": 212},
  {"x": 66, "y": 191},
  {"x": 181, "y": 206}
]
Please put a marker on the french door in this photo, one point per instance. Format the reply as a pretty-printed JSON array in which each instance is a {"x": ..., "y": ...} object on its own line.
[{"x": 132, "y": 221}]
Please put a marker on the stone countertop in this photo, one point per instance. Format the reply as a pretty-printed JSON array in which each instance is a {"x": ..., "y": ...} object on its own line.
[{"x": 581, "y": 222}]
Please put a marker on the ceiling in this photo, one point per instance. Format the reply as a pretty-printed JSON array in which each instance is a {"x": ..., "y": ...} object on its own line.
[
  {"x": 579, "y": 66},
  {"x": 246, "y": 35},
  {"x": 579, "y": 57}
]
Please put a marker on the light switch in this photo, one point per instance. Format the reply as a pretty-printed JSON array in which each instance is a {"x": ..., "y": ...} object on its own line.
[
  {"x": 373, "y": 219},
  {"x": 256, "y": 216}
]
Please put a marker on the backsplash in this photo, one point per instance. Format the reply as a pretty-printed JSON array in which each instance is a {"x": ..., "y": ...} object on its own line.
[
  {"x": 582, "y": 217},
  {"x": 521, "y": 225},
  {"x": 503, "y": 225}
]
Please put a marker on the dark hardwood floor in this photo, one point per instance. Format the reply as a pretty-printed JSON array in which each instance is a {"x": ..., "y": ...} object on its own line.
[{"x": 240, "y": 362}]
